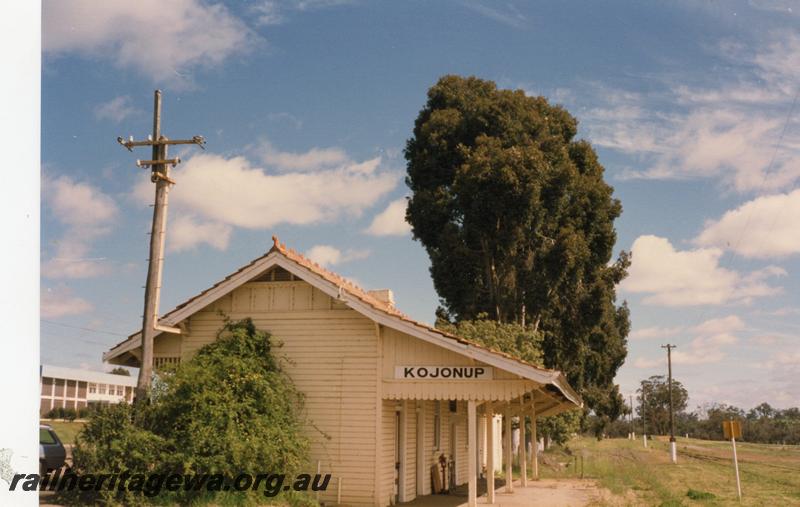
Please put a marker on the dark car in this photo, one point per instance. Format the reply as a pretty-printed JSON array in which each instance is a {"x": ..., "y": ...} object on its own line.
[{"x": 51, "y": 451}]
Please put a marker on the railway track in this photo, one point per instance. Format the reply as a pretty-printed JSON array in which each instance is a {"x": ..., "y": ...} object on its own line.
[{"x": 727, "y": 459}]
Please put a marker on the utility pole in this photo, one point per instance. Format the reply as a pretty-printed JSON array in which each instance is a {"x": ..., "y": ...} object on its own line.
[
  {"x": 159, "y": 165},
  {"x": 672, "y": 449},
  {"x": 633, "y": 433},
  {"x": 644, "y": 420}
]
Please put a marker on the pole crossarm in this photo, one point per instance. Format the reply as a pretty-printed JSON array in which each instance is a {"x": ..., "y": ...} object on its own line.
[
  {"x": 130, "y": 143},
  {"x": 147, "y": 163}
]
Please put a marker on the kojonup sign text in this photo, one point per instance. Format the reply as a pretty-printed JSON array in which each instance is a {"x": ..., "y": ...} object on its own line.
[{"x": 443, "y": 372}]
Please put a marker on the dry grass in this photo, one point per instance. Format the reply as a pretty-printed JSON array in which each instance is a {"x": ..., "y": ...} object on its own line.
[{"x": 703, "y": 476}]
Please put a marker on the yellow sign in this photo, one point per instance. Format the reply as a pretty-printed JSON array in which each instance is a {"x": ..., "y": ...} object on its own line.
[{"x": 732, "y": 429}]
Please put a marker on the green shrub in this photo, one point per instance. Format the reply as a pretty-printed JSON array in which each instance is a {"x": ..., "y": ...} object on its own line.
[
  {"x": 111, "y": 442},
  {"x": 67, "y": 414},
  {"x": 230, "y": 409},
  {"x": 70, "y": 414},
  {"x": 700, "y": 495}
]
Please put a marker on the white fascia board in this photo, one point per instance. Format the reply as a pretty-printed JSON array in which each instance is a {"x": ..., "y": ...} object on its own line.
[{"x": 131, "y": 343}]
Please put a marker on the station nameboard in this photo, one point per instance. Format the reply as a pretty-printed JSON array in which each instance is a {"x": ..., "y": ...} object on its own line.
[{"x": 443, "y": 372}]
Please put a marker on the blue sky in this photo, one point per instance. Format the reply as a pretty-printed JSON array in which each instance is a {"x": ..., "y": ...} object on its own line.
[{"x": 306, "y": 107}]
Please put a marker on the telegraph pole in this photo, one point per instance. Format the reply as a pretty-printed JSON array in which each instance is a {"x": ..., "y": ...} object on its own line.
[
  {"x": 644, "y": 420},
  {"x": 672, "y": 450},
  {"x": 633, "y": 433},
  {"x": 159, "y": 165}
]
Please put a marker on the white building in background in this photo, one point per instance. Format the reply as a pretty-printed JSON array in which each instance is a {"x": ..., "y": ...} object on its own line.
[{"x": 75, "y": 388}]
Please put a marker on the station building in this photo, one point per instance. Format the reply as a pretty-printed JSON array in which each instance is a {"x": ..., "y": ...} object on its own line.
[{"x": 397, "y": 408}]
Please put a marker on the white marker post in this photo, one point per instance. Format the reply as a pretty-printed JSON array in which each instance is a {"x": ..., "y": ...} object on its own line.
[
  {"x": 733, "y": 429},
  {"x": 736, "y": 467}
]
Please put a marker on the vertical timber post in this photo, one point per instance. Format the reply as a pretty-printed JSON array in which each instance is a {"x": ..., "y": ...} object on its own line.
[
  {"x": 523, "y": 454},
  {"x": 534, "y": 442},
  {"x": 420, "y": 459},
  {"x": 736, "y": 463},
  {"x": 508, "y": 453},
  {"x": 490, "y": 435}
]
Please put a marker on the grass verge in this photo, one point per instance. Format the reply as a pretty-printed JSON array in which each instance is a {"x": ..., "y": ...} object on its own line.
[{"x": 703, "y": 475}]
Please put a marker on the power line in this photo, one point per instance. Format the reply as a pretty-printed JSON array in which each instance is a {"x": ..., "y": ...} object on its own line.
[
  {"x": 728, "y": 263},
  {"x": 59, "y": 337},
  {"x": 735, "y": 246},
  {"x": 785, "y": 125},
  {"x": 93, "y": 330}
]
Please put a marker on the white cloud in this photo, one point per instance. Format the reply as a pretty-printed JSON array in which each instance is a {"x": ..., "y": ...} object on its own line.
[
  {"x": 783, "y": 369},
  {"x": 722, "y": 325},
  {"x": 734, "y": 129},
  {"x": 782, "y": 6},
  {"x": 268, "y": 12},
  {"x": 710, "y": 141},
  {"x": 326, "y": 255},
  {"x": 275, "y": 12},
  {"x": 506, "y": 14},
  {"x": 648, "y": 364},
  {"x": 712, "y": 342},
  {"x": 704, "y": 349},
  {"x": 737, "y": 145},
  {"x": 60, "y": 302},
  {"x": 670, "y": 277},
  {"x": 781, "y": 312},
  {"x": 218, "y": 193},
  {"x": 284, "y": 117},
  {"x": 654, "y": 332},
  {"x": 713, "y": 338},
  {"x": 86, "y": 213},
  {"x": 315, "y": 158},
  {"x": 623, "y": 122},
  {"x": 391, "y": 221},
  {"x": 187, "y": 232},
  {"x": 162, "y": 40},
  {"x": 709, "y": 345},
  {"x": 762, "y": 228},
  {"x": 79, "y": 204},
  {"x": 767, "y": 339},
  {"x": 116, "y": 109}
]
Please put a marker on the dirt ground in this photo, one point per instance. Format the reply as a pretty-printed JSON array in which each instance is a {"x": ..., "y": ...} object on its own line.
[{"x": 545, "y": 492}]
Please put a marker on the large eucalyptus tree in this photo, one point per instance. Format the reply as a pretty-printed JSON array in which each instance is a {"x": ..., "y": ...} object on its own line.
[{"x": 518, "y": 222}]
